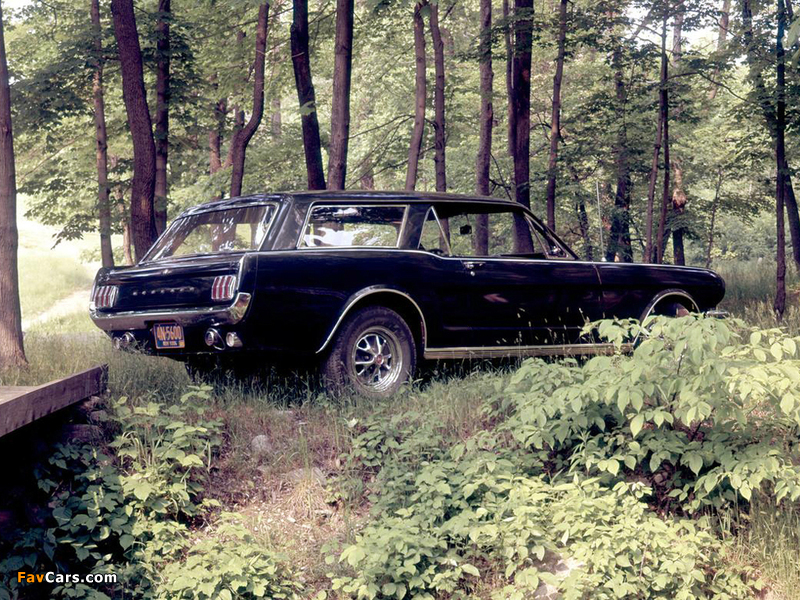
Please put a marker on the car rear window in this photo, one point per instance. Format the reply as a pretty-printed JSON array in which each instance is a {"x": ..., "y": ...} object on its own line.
[
  {"x": 353, "y": 226},
  {"x": 230, "y": 230}
]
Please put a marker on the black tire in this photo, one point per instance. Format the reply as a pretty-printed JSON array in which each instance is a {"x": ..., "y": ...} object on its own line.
[{"x": 367, "y": 335}]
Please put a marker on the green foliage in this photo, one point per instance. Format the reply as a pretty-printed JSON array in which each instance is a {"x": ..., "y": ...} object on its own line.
[
  {"x": 704, "y": 416},
  {"x": 227, "y": 565},
  {"x": 131, "y": 508}
]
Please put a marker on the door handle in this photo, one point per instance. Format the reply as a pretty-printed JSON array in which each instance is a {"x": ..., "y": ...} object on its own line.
[{"x": 472, "y": 264}]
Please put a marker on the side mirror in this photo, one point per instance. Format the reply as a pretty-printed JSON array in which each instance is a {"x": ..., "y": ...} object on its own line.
[{"x": 465, "y": 230}]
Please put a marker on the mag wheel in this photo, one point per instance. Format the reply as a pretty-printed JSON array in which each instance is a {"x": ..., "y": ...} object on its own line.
[{"x": 373, "y": 355}]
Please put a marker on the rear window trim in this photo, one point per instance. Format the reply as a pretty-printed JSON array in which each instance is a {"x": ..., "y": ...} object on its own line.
[
  {"x": 267, "y": 227},
  {"x": 397, "y": 245}
]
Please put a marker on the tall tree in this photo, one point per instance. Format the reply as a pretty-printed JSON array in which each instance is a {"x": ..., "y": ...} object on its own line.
[
  {"x": 722, "y": 36},
  {"x": 340, "y": 111},
  {"x": 101, "y": 140},
  {"x": 242, "y": 136},
  {"x": 12, "y": 353},
  {"x": 420, "y": 97},
  {"x": 509, "y": 39},
  {"x": 679, "y": 197},
  {"x": 619, "y": 244},
  {"x": 440, "y": 132},
  {"x": 301, "y": 61},
  {"x": 143, "y": 226},
  {"x": 555, "y": 119},
  {"x": 664, "y": 118},
  {"x": 521, "y": 67},
  {"x": 769, "y": 112},
  {"x": 780, "y": 161},
  {"x": 650, "y": 252},
  {"x": 162, "y": 112},
  {"x": 483, "y": 160}
]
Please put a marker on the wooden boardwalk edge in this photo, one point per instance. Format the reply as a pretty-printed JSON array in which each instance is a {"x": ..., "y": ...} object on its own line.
[{"x": 22, "y": 405}]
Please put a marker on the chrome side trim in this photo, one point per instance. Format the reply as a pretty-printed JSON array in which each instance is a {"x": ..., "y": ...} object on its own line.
[
  {"x": 524, "y": 351},
  {"x": 360, "y": 296},
  {"x": 213, "y": 315},
  {"x": 664, "y": 294}
]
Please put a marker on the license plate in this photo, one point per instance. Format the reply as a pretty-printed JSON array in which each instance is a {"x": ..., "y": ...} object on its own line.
[{"x": 168, "y": 335}]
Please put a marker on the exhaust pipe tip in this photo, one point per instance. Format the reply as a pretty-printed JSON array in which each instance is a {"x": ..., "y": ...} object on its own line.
[
  {"x": 125, "y": 341},
  {"x": 213, "y": 339}
]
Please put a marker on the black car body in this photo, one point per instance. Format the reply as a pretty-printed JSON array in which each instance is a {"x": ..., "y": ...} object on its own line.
[{"x": 287, "y": 274}]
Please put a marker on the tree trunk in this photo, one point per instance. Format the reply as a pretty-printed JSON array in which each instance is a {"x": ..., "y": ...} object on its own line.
[
  {"x": 509, "y": 38},
  {"x": 301, "y": 62},
  {"x": 619, "y": 245},
  {"x": 555, "y": 119},
  {"x": 143, "y": 226},
  {"x": 125, "y": 221},
  {"x": 483, "y": 160},
  {"x": 242, "y": 137},
  {"x": 340, "y": 110},
  {"x": 162, "y": 113},
  {"x": 724, "y": 19},
  {"x": 523, "y": 43},
  {"x": 714, "y": 205},
  {"x": 440, "y": 138},
  {"x": 101, "y": 141},
  {"x": 780, "y": 163},
  {"x": 583, "y": 224},
  {"x": 12, "y": 353},
  {"x": 651, "y": 190},
  {"x": 661, "y": 242},
  {"x": 420, "y": 95},
  {"x": 215, "y": 136},
  {"x": 678, "y": 191}
]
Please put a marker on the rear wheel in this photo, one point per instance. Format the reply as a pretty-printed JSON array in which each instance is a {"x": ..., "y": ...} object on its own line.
[{"x": 373, "y": 355}]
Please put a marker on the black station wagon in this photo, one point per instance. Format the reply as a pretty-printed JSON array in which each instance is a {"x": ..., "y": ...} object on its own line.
[{"x": 369, "y": 283}]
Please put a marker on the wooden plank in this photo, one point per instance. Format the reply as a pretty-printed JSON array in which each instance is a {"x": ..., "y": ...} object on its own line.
[{"x": 23, "y": 405}]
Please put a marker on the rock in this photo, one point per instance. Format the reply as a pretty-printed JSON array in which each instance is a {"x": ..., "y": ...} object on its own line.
[
  {"x": 561, "y": 568},
  {"x": 90, "y": 404},
  {"x": 77, "y": 433},
  {"x": 261, "y": 445},
  {"x": 98, "y": 416},
  {"x": 312, "y": 475}
]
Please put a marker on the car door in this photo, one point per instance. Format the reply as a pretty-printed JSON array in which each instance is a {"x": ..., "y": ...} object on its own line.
[{"x": 519, "y": 291}]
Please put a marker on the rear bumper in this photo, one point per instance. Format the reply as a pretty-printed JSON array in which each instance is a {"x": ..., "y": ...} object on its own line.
[{"x": 208, "y": 316}]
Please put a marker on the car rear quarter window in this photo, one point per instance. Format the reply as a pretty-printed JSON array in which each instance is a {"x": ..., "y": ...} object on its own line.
[{"x": 353, "y": 226}]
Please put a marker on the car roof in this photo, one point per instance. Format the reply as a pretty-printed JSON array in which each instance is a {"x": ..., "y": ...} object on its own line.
[{"x": 344, "y": 195}]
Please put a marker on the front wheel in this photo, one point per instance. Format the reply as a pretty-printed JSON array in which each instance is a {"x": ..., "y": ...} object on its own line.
[{"x": 373, "y": 355}]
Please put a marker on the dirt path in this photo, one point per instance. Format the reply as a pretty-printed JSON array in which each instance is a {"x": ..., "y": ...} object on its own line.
[{"x": 75, "y": 302}]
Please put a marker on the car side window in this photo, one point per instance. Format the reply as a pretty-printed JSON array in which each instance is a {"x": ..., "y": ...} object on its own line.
[
  {"x": 432, "y": 237},
  {"x": 488, "y": 233},
  {"x": 353, "y": 226}
]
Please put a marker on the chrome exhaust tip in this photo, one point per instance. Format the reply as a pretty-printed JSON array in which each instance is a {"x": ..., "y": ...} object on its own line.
[
  {"x": 124, "y": 341},
  {"x": 233, "y": 340},
  {"x": 213, "y": 339}
]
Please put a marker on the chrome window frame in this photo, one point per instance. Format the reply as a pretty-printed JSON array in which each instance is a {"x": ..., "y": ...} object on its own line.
[
  {"x": 313, "y": 205},
  {"x": 432, "y": 209},
  {"x": 256, "y": 248}
]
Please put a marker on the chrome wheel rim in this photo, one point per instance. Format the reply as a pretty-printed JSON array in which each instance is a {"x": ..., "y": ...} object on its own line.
[{"x": 377, "y": 359}]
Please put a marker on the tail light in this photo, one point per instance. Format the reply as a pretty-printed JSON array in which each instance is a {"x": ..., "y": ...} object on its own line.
[
  {"x": 224, "y": 287},
  {"x": 105, "y": 296}
]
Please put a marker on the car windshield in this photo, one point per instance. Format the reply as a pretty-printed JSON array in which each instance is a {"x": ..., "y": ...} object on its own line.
[{"x": 230, "y": 230}]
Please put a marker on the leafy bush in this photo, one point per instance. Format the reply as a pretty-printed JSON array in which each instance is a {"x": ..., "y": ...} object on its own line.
[
  {"x": 701, "y": 415},
  {"x": 130, "y": 509}
]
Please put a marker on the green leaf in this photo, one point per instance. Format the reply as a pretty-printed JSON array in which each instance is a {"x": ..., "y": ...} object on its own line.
[
  {"x": 636, "y": 424},
  {"x": 787, "y": 404},
  {"x": 695, "y": 463}
]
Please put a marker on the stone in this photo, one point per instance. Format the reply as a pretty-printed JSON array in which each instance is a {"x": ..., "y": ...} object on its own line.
[
  {"x": 561, "y": 568},
  {"x": 78, "y": 433},
  {"x": 312, "y": 475},
  {"x": 261, "y": 445}
]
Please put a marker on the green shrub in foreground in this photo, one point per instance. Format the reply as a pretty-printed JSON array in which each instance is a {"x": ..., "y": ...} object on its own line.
[{"x": 705, "y": 416}]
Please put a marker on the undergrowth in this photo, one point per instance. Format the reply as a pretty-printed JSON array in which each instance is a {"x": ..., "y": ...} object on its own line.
[{"x": 669, "y": 473}]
